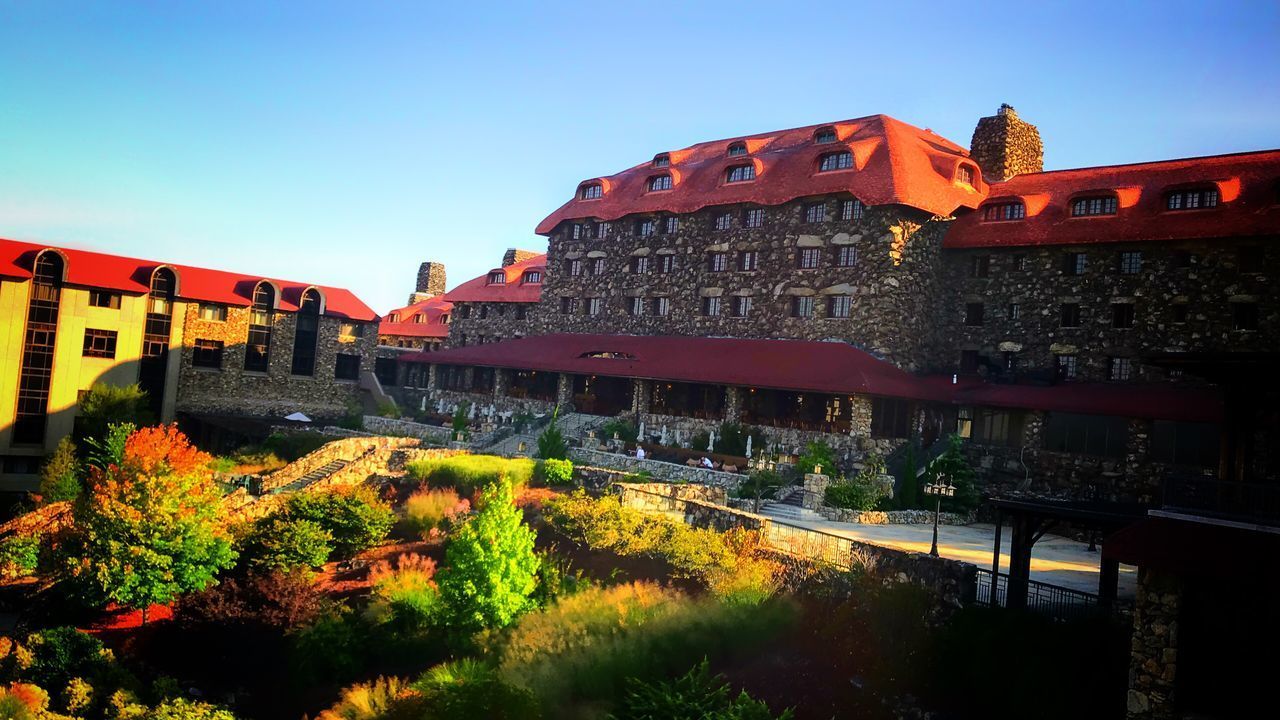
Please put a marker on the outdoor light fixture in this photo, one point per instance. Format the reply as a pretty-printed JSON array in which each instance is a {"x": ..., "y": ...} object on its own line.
[{"x": 938, "y": 490}]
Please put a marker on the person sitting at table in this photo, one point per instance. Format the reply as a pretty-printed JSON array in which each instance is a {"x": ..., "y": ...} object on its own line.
[{"x": 706, "y": 463}]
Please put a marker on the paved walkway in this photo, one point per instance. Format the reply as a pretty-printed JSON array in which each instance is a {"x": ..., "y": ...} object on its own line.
[{"x": 1054, "y": 559}]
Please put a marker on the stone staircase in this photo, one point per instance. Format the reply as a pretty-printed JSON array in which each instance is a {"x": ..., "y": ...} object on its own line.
[
  {"x": 789, "y": 508},
  {"x": 510, "y": 446},
  {"x": 316, "y": 475},
  {"x": 577, "y": 425}
]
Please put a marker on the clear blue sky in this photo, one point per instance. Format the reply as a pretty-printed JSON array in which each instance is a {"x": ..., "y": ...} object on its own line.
[{"x": 345, "y": 143}]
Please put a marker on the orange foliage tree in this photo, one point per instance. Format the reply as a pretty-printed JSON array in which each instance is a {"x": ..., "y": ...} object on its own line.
[{"x": 148, "y": 528}]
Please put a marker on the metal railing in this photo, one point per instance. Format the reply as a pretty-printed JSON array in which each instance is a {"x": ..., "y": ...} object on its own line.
[
  {"x": 1256, "y": 502},
  {"x": 1055, "y": 601}
]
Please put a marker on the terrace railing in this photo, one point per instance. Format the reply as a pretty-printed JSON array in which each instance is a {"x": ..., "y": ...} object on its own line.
[
  {"x": 1250, "y": 502},
  {"x": 1055, "y": 601}
]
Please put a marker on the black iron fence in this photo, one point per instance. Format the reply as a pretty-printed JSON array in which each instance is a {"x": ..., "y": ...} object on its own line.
[
  {"x": 1055, "y": 601},
  {"x": 1255, "y": 502}
]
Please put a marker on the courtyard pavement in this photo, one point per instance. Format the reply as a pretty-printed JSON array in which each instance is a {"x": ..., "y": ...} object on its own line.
[{"x": 1054, "y": 559}]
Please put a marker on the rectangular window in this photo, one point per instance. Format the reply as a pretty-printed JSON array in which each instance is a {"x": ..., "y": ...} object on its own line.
[
  {"x": 711, "y": 306},
  {"x": 718, "y": 262},
  {"x": 724, "y": 221},
  {"x": 577, "y": 231},
  {"x": 851, "y": 209},
  {"x": 1018, "y": 262},
  {"x": 1074, "y": 263},
  {"x": 575, "y": 268},
  {"x": 815, "y": 213},
  {"x": 1122, "y": 315},
  {"x": 742, "y": 306},
  {"x": 1192, "y": 199},
  {"x": 568, "y": 305},
  {"x": 100, "y": 343},
  {"x": 890, "y": 418},
  {"x": 753, "y": 218},
  {"x": 1085, "y": 207},
  {"x": 666, "y": 263},
  {"x": 838, "y": 306},
  {"x": 593, "y": 305},
  {"x": 644, "y": 228},
  {"x": 1015, "y": 311},
  {"x": 973, "y": 313},
  {"x": 1069, "y": 315},
  {"x": 741, "y": 173},
  {"x": 635, "y": 306},
  {"x": 1179, "y": 312},
  {"x": 808, "y": 258},
  {"x": 207, "y": 354},
  {"x": 1130, "y": 263},
  {"x": 980, "y": 266},
  {"x": 835, "y": 161},
  {"x": 604, "y": 229},
  {"x": 964, "y": 422},
  {"x": 640, "y": 264},
  {"x": 802, "y": 306},
  {"x": 1065, "y": 366},
  {"x": 1119, "y": 368},
  {"x": 597, "y": 266},
  {"x": 672, "y": 224},
  {"x": 997, "y": 427},
  {"x": 1185, "y": 443},
  {"x": 748, "y": 260},
  {"x": 213, "y": 313},
  {"x": 104, "y": 299},
  {"x": 1244, "y": 316},
  {"x": 846, "y": 256},
  {"x": 1101, "y": 435},
  {"x": 349, "y": 331},
  {"x": 662, "y": 306},
  {"x": 346, "y": 367}
]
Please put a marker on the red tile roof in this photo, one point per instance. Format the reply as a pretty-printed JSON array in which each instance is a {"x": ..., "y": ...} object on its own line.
[
  {"x": 513, "y": 290},
  {"x": 1247, "y": 204},
  {"x": 893, "y": 163},
  {"x": 431, "y": 310},
  {"x": 130, "y": 275},
  {"x": 806, "y": 366}
]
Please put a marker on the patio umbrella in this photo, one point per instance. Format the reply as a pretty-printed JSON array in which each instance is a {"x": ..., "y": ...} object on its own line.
[{"x": 748, "y": 446}]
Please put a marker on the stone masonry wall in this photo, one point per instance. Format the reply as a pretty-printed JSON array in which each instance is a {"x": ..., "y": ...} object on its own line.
[
  {"x": 1153, "y": 663},
  {"x": 1004, "y": 145},
  {"x": 431, "y": 279},
  {"x": 232, "y": 389},
  {"x": 478, "y": 323},
  {"x": 892, "y": 284}
]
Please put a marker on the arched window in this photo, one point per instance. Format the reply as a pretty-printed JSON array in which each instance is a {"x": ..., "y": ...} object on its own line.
[
  {"x": 661, "y": 160},
  {"x": 152, "y": 370},
  {"x": 591, "y": 191},
  {"x": 964, "y": 174},
  {"x": 1094, "y": 205},
  {"x": 1004, "y": 211},
  {"x": 257, "y": 351},
  {"x": 444, "y": 319},
  {"x": 32, "y": 414},
  {"x": 531, "y": 277},
  {"x": 1192, "y": 199},
  {"x": 740, "y": 173},
  {"x": 824, "y": 135},
  {"x": 835, "y": 161},
  {"x": 737, "y": 148},
  {"x": 497, "y": 277},
  {"x": 306, "y": 334},
  {"x": 659, "y": 182}
]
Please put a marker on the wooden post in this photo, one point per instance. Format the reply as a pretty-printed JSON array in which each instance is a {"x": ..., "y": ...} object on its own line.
[
  {"x": 1108, "y": 582},
  {"x": 995, "y": 560},
  {"x": 1020, "y": 561}
]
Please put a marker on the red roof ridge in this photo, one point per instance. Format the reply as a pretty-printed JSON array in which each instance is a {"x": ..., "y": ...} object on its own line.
[{"x": 1145, "y": 163}]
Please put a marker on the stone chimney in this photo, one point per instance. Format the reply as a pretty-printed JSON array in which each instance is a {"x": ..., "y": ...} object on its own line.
[
  {"x": 1004, "y": 145},
  {"x": 514, "y": 256},
  {"x": 430, "y": 282}
]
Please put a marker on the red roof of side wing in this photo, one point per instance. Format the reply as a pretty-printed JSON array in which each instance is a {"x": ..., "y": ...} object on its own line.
[
  {"x": 432, "y": 325},
  {"x": 893, "y": 163},
  {"x": 1247, "y": 203},
  {"x": 85, "y": 268},
  {"x": 513, "y": 290}
]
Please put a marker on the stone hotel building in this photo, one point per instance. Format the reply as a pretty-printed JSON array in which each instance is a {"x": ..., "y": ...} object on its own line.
[{"x": 202, "y": 343}]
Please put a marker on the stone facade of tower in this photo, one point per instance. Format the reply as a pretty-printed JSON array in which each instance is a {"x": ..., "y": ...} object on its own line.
[{"x": 1004, "y": 145}]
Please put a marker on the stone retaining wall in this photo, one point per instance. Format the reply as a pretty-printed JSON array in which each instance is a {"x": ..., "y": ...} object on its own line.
[
  {"x": 405, "y": 428},
  {"x": 345, "y": 449},
  {"x": 656, "y": 468},
  {"x": 891, "y": 517}
]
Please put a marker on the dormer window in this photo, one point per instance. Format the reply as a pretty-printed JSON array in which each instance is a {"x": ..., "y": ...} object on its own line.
[
  {"x": 393, "y": 317},
  {"x": 835, "y": 161},
  {"x": 497, "y": 278},
  {"x": 741, "y": 173},
  {"x": 419, "y": 319},
  {"x": 531, "y": 277},
  {"x": 1004, "y": 211},
  {"x": 591, "y": 191},
  {"x": 659, "y": 182},
  {"x": 661, "y": 160},
  {"x": 444, "y": 319},
  {"x": 964, "y": 174},
  {"x": 1096, "y": 205},
  {"x": 738, "y": 148},
  {"x": 824, "y": 135},
  {"x": 1196, "y": 199}
]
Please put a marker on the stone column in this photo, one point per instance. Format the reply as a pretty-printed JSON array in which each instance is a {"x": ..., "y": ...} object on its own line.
[
  {"x": 641, "y": 394},
  {"x": 431, "y": 380},
  {"x": 501, "y": 380},
  {"x": 564, "y": 392},
  {"x": 860, "y": 417},
  {"x": 733, "y": 400},
  {"x": 815, "y": 487},
  {"x": 1153, "y": 659},
  {"x": 1143, "y": 486}
]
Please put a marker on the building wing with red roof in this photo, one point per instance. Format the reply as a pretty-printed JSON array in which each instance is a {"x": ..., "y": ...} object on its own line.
[
  {"x": 426, "y": 319},
  {"x": 90, "y": 269},
  {"x": 1248, "y": 203},
  {"x": 892, "y": 163},
  {"x": 519, "y": 282}
]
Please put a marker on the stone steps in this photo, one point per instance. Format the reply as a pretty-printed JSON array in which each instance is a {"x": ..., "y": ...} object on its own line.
[
  {"x": 788, "y": 512},
  {"x": 316, "y": 475},
  {"x": 511, "y": 446}
]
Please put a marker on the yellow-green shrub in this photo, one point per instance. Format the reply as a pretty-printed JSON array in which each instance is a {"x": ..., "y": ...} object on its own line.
[{"x": 469, "y": 473}]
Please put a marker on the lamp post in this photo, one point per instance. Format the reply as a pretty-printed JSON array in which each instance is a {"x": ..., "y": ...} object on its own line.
[{"x": 938, "y": 490}]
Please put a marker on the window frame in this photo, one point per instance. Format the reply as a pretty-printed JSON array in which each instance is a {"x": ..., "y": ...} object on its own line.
[
  {"x": 99, "y": 343},
  {"x": 835, "y": 161}
]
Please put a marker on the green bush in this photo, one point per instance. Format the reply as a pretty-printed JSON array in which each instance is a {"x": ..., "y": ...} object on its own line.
[
  {"x": 584, "y": 647},
  {"x": 624, "y": 429},
  {"x": 60, "y": 475},
  {"x": 469, "y": 473},
  {"x": 759, "y": 485},
  {"x": 355, "y": 518},
  {"x": 330, "y": 650},
  {"x": 952, "y": 466},
  {"x": 105, "y": 405},
  {"x": 696, "y": 695},
  {"x": 490, "y": 567},
  {"x": 552, "y": 445},
  {"x": 732, "y": 439},
  {"x": 184, "y": 709},
  {"x": 292, "y": 445},
  {"x": 861, "y": 492},
  {"x": 285, "y": 543},
  {"x": 381, "y": 699},
  {"x": 19, "y": 556},
  {"x": 554, "y": 472},
  {"x": 817, "y": 453},
  {"x": 469, "y": 689},
  {"x": 62, "y": 653}
]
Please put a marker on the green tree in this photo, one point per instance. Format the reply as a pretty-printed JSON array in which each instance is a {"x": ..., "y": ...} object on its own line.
[
  {"x": 460, "y": 422},
  {"x": 490, "y": 567},
  {"x": 104, "y": 405},
  {"x": 758, "y": 485},
  {"x": 109, "y": 448},
  {"x": 817, "y": 453},
  {"x": 696, "y": 695},
  {"x": 281, "y": 543},
  {"x": 148, "y": 529},
  {"x": 551, "y": 443},
  {"x": 60, "y": 476},
  {"x": 355, "y": 518},
  {"x": 951, "y": 466}
]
